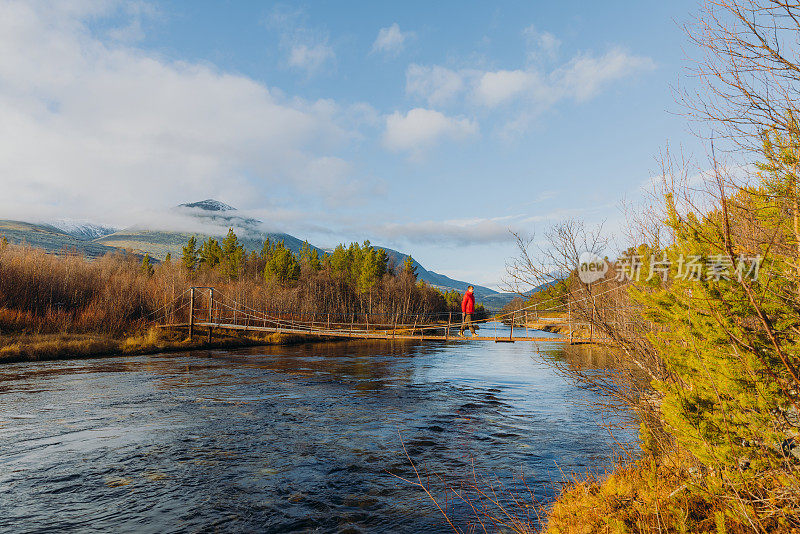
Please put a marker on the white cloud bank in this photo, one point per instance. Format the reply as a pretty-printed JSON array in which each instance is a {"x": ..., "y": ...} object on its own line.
[
  {"x": 422, "y": 128},
  {"x": 90, "y": 127},
  {"x": 391, "y": 40},
  {"x": 531, "y": 89}
]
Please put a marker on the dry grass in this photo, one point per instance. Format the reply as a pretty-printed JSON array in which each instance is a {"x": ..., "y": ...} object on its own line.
[
  {"x": 666, "y": 496},
  {"x": 61, "y": 346},
  {"x": 42, "y": 293}
]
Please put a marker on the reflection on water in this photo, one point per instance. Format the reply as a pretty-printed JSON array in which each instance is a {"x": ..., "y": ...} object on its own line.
[
  {"x": 281, "y": 439},
  {"x": 586, "y": 357}
]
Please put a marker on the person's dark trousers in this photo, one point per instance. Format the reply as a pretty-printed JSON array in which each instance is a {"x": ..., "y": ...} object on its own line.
[{"x": 467, "y": 322}]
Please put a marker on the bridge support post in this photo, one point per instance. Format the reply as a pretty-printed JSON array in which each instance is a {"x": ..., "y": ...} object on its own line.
[
  {"x": 511, "y": 334},
  {"x": 191, "y": 314},
  {"x": 447, "y": 332},
  {"x": 210, "y": 311},
  {"x": 569, "y": 312}
]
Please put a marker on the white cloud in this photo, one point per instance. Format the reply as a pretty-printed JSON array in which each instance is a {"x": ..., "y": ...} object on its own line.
[
  {"x": 391, "y": 40},
  {"x": 533, "y": 88},
  {"x": 541, "y": 45},
  {"x": 584, "y": 76},
  {"x": 421, "y": 128},
  {"x": 307, "y": 49},
  {"x": 498, "y": 87},
  {"x": 438, "y": 85},
  {"x": 310, "y": 57},
  {"x": 90, "y": 128}
]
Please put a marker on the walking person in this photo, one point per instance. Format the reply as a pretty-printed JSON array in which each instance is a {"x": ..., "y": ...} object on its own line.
[{"x": 467, "y": 309}]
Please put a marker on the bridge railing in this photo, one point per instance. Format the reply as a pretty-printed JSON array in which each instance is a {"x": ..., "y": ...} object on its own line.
[{"x": 207, "y": 307}]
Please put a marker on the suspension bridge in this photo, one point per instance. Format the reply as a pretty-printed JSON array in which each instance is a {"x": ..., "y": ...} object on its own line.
[{"x": 206, "y": 311}]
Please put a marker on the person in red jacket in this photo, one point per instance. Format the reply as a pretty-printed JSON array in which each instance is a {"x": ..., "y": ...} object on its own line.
[{"x": 467, "y": 309}]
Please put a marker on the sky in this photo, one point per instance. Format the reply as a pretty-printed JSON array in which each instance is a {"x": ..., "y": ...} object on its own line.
[{"x": 432, "y": 128}]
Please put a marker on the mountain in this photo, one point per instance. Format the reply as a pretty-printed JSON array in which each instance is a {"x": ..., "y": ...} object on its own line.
[
  {"x": 216, "y": 217},
  {"x": 446, "y": 283},
  {"x": 50, "y": 238},
  {"x": 208, "y": 204},
  {"x": 84, "y": 230},
  {"x": 213, "y": 216}
]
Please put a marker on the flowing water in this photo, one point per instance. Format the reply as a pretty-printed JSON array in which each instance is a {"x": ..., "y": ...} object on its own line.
[{"x": 302, "y": 438}]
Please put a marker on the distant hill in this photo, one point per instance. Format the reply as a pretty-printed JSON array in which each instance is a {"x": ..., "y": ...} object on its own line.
[
  {"x": 209, "y": 213},
  {"x": 95, "y": 240},
  {"x": 83, "y": 230},
  {"x": 50, "y": 238}
]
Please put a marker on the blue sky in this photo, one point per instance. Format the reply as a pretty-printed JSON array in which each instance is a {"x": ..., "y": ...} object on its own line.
[{"x": 432, "y": 128}]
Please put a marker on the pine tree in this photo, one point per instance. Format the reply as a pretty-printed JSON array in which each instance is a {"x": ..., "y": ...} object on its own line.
[
  {"x": 147, "y": 268},
  {"x": 232, "y": 256},
  {"x": 189, "y": 257},
  {"x": 282, "y": 266},
  {"x": 314, "y": 262},
  {"x": 409, "y": 269},
  {"x": 309, "y": 257},
  {"x": 210, "y": 254},
  {"x": 369, "y": 271},
  {"x": 168, "y": 259},
  {"x": 382, "y": 259},
  {"x": 339, "y": 260},
  {"x": 266, "y": 249},
  {"x": 730, "y": 374},
  {"x": 3, "y": 242}
]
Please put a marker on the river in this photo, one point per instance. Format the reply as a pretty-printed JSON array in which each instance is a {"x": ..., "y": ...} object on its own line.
[{"x": 301, "y": 438}]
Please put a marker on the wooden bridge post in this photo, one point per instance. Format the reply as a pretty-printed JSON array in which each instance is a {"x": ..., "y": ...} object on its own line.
[
  {"x": 414, "y": 328},
  {"x": 569, "y": 318},
  {"x": 394, "y": 328},
  {"x": 210, "y": 311},
  {"x": 447, "y": 332},
  {"x": 511, "y": 334},
  {"x": 526, "y": 324},
  {"x": 191, "y": 313},
  {"x": 329, "y": 320}
]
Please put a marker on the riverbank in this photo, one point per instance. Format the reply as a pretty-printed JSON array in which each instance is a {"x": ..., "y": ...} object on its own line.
[
  {"x": 581, "y": 334},
  {"x": 45, "y": 347},
  {"x": 668, "y": 495}
]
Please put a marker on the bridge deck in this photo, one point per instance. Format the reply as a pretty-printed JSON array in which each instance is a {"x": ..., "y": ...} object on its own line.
[{"x": 360, "y": 334}]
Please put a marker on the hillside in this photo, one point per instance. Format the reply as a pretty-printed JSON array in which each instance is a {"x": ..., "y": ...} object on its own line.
[{"x": 50, "y": 239}]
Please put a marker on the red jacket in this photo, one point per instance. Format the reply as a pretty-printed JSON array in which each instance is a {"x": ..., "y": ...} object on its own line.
[{"x": 468, "y": 302}]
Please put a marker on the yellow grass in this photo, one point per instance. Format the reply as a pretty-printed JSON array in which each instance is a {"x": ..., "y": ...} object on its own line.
[
  {"x": 33, "y": 347},
  {"x": 665, "y": 497}
]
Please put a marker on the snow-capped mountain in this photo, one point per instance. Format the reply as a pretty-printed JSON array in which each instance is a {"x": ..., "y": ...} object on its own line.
[
  {"x": 209, "y": 205},
  {"x": 82, "y": 229},
  {"x": 218, "y": 212}
]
